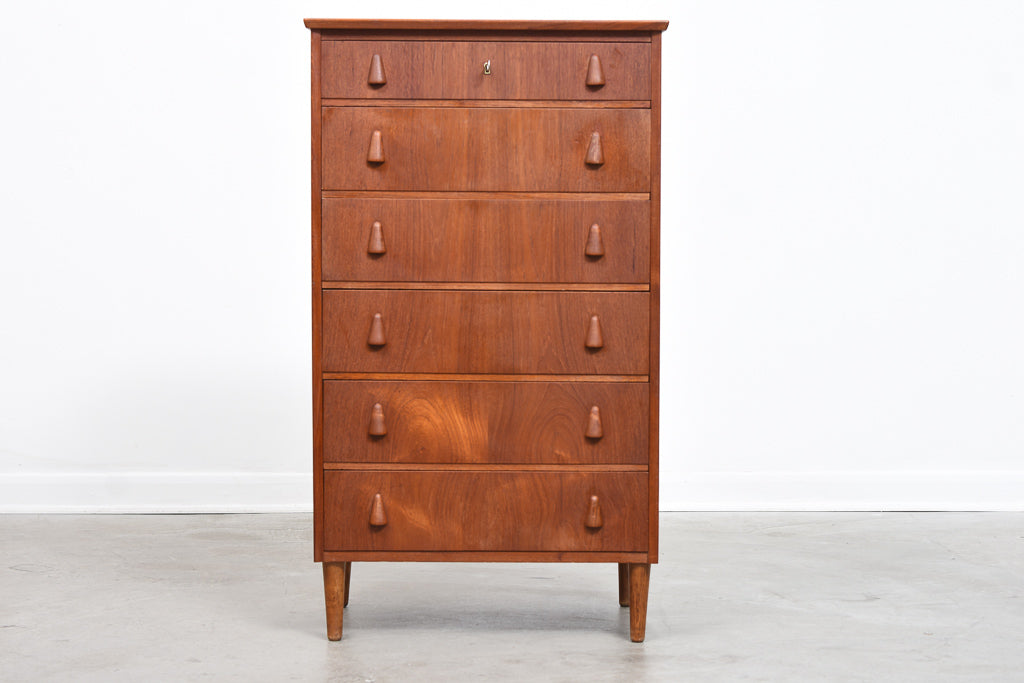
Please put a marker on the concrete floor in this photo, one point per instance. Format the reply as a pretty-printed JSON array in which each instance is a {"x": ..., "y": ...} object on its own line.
[{"x": 737, "y": 597}]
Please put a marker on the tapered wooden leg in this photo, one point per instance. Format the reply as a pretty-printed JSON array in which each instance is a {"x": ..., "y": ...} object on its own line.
[
  {"x": 334, "y": 597},
  {"x": 348, "y": 579},
  {"x": 639, "y": 579},
  {"x": 623, "y": 584}
]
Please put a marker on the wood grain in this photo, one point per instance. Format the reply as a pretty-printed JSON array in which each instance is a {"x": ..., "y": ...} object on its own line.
[
  {"x": 334, "y": 597},
  {"x": 399, "y": 193},
  {"x": 478, "y": 420},
  {"x": 465, "y": 511},
  {"x": 453, "y": 70},
  {"x": 489, "y": 286},
  {"x": 487, "y": 149},
  {"x": 655, "y": 300},
  {"x": 446, "y": 377},
  {"x": 545, "y": 71},
  {"x": 529, "y": 332},
  {"x": 522, "y": 104},
  {"x": 433, "y": 25},
  {"x": 412, "y": 68},
  {"x": 316, "y": 271},
  {"x": 485, "y": 422},
  {"x": 477, "y": 240},
  {"x": 479, "y": 467},
  {"x": 639, "y": 580},
  {"x": 481, "y": 556}
]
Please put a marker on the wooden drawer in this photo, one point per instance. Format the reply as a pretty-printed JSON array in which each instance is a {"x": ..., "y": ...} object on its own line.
[
  {"x": 485, "y": 332},
  {"x": 499, "y": 149},
  {"x": 455, "y": 70},
  {"x": 496, "y": 240},
  {"x": 484, "y": 510},
  {"x": 486, "y": 422}
]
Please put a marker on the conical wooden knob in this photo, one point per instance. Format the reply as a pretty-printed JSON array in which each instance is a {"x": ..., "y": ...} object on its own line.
[
  {"x": 377, "y": 427},
  {"x": 594, "y": 429},
  {"x": 595, "y": 340},
  {"x": 376, "y": 245},
  {"x": 377, "y": 76},
  {"x": 377, "y": 515},
  {"x": 376, "y": 337},
  {"x": 595, "y": 157},
  {"x": 595, "y": 75},
  {"x": 595, "y": 245},
  {"x": 375, "y": 155},
  {"x": 595, "y": 520}
]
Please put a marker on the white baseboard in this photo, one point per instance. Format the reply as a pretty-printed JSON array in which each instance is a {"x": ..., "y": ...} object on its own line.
[
  {"x": 157, "y": 492},
  {"x": 199, "y": 492},
  {"x": 902, "y": 490}
]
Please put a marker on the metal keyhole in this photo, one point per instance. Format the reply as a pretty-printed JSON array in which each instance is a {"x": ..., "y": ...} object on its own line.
[{"x": 487, "y": 68}]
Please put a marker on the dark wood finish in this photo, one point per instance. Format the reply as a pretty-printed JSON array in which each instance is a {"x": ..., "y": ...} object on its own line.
[
  {"x": 477, "y": 240},
  {"x": 542, "y": 332},
  {"x": 485, "y": 422},
  {"x": 476, "y": 511},
  {"x": 486, "y": 295},
  {"x": 487, "y": 149},
  {"x": 639, "y": 579},
  {"x": 571, "y": 28},
  {"x": 334, "y": 597}
]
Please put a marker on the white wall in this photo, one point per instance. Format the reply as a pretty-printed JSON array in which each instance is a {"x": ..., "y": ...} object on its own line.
[{"x": 843, "y": 234}]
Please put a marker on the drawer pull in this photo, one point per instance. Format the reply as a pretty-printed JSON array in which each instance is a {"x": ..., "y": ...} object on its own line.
[
  {"x": 594, "y": 429},
  {"x": 595, "y": 75},
  {"x": 375, "y": 155},
  {"x": 377, "y": 515},
  {"x": 595, "y": 156},
  {"x": 595, "y": 245},
  {"x": 487, "y": 68},
  {"x": 376, "y": 245},
  {"x": 595, "y": 520},
  {"x": 377, "y": 76},
  {"x": 377, "y": 427},
  {"x": 595, "y": 340},
  {"x": 376, "y": 337}
]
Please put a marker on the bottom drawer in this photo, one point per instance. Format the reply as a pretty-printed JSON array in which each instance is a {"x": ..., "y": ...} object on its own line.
[{"x": 485, "y": 510}]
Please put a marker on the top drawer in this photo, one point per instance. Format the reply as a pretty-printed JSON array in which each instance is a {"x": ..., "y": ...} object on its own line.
[{"x": 455, "y": 70}]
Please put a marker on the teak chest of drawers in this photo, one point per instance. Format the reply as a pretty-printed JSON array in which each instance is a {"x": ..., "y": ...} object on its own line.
[{"x": 485, "y": 224}]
